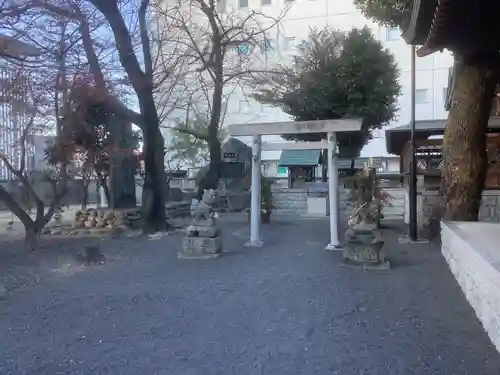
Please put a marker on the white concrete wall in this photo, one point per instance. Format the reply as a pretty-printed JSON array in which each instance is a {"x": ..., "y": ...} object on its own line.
[
  {"x": 393, "y": 165},
  {"x": 471, "y": 251},
  {"x": 396, "y": 207},
  {"x": 40, "y": 144}
]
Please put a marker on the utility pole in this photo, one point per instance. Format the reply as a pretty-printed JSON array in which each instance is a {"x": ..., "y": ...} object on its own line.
[
  {"x": 413, "y": 161},
  {"x": 61, "y": 103},
  {"x": 61, "y": 86}
]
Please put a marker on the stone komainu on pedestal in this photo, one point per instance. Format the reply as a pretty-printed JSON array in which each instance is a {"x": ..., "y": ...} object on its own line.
[
  {"x": 363, "y": 248},
  {"x": 202, "y": 239},
  {"x": 364, "y": 242}
]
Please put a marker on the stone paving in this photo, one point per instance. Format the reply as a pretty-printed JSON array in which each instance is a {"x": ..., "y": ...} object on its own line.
[{"x": 286, "y": 308}]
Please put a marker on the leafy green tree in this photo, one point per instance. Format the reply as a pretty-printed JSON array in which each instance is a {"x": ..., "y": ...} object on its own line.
[
  {"x": 394, "y": 13},
  {"x": 338, "y": 75},
  {"x": 187, "y": 149},
  {"x": 189, "y": 143}
]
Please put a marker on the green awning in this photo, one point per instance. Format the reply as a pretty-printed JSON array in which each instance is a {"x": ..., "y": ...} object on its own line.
[{"x": 299, "y": 158}]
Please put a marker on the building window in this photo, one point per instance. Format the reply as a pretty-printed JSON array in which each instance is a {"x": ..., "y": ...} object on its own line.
[
  {"x": 265, "y": 2},
  {"x": 221, "y": 5},
  {"x": 264, "y": 168},
  {"x": 243, "y": 49},
  {"x": 288, "y": 43},
  {"x": 243, "y": 3},
  {"x": 392, "y": 34},
  {"x": 420, "y": 96},
  {"x": 243, "y": 106},
  {"x": 445, "y": 94},
  {"x": 265, "y": 108},
  {"x": 267, "y": 44}
]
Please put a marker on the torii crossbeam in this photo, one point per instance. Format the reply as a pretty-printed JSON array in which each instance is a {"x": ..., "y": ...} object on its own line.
[{"x": 330, "y": 127}]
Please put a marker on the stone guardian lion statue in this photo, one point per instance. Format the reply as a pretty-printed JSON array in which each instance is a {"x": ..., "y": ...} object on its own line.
[{"x": 204, "y": 209}]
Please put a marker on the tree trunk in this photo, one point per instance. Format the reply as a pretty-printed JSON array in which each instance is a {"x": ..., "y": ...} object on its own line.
[
  {"x": 85, "y": 198},
  {"x": 153, "y": 191},
  {"x": 33, "y": 228},
  {"x": 211, "y": 178},
  {"x": 32, "y": 236},
  {"x": 107, "y": 193},
  {"x": 464, "y": 142},
  {"x": 103, "y": 182}
]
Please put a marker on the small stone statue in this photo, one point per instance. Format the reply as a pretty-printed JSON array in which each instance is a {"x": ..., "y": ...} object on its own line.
[
  {"x": 205, "y": 208},
  {"x": 202, "y": 238},
  {"x": 363, "y": 239}
]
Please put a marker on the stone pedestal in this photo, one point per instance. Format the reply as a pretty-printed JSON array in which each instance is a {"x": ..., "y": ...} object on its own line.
[
  {"x": 364, "y": 250},
  {"x": 201, "y": 241}
]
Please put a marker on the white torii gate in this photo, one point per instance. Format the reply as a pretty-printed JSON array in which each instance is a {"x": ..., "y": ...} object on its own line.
[{"x": 295, "y": 127}]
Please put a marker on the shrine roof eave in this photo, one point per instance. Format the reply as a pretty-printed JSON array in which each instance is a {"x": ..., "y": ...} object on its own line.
[
  {"x": 467, "y": 27},
  {"x": 397, "y": 138},
  {"x": 422, "y": 14}
]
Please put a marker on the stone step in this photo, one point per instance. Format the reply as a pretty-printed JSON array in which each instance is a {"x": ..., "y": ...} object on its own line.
[
  {"x": 293, "y": 206},
  {"x": 288, "y": 199},
  {"x": 290, "y": 211}
]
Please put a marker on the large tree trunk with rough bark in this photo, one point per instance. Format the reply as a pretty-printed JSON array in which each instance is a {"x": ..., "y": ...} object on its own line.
[
  {"x": 85, "y": 191},
  {"x": 212, "y": 177},
  {"x": 153, "y": 191},
  {"x": 464, "y": 142},
  {"x": 103, "y": 182},
  {"x": 32, "y": 235}
]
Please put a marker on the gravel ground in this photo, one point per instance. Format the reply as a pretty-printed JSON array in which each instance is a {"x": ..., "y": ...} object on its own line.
[{"x": 286, "y": 308}]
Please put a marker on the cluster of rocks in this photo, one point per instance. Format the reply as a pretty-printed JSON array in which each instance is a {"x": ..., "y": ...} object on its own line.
[{"x": 92, "y": 218}]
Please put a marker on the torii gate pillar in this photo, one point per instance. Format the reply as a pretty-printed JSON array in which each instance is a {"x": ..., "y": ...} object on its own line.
[
  {"x": 295, "y": 127},
  {"x": 333, "y": 192},
  {"x": 255, "y": 194}
]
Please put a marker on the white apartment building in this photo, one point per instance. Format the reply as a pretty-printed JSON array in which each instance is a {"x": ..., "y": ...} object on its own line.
[
  {"x": 431, "y": 71},
  {"x": 13, "y": 120}
]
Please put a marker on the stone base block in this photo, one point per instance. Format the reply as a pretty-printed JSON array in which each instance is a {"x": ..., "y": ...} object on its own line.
[
  {"x": 365, "y": 256},
  {"x": 200, "y": 248},
  {"x": 364, "y": 253},
  {"x": 382, "y": 266}
]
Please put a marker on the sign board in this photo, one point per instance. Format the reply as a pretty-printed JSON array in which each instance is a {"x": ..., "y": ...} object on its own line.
[
  {"x": 232, "y": 169},
  {"x": 295, "y": 127},
  {"x": 280, "y": 146},
  {"x": 282, "y": 170}
]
